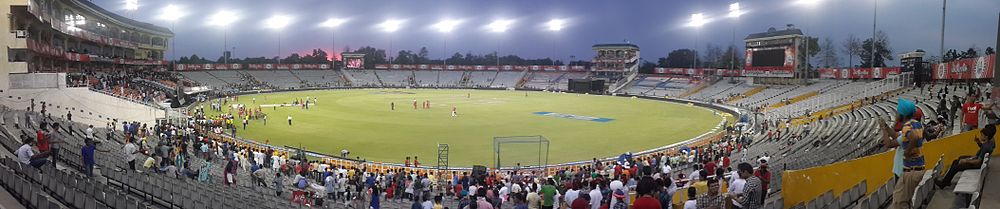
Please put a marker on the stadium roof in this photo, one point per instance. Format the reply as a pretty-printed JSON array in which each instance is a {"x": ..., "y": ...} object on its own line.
[
  {"x": 771, "y": 32},
  {"x": 90, "y": 5},
  {"x": 624, "y": 45}
]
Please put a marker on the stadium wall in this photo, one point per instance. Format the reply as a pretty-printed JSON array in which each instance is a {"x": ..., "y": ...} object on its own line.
[
  {"x": 800, "y": 186},
  {"x": 88, "y": 107}
]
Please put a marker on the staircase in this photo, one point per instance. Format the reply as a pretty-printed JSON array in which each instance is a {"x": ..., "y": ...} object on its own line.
[
  {"x": 494, "y": 79},
  {"x": 698, "y": 88},
  {"x": 621, "y": 84},
  {"x": 793, "y": 100},
  {"x": 522, "y": 80},
  {"x": 378, "y": 78},
  {"x": 348, "y": 79},
  {"x": 465, "y": 79},
  {"x": 749, "y": 93}
]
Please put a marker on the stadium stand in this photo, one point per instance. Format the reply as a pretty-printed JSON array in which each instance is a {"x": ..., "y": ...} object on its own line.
[{"x": 320, "y": 78}]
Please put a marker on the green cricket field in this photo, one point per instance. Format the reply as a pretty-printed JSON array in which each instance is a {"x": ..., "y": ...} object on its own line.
[{"x": 578, "y": 126}]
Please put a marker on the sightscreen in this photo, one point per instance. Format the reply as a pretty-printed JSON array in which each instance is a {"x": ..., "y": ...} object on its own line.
[{"x": 769, "y": 58}]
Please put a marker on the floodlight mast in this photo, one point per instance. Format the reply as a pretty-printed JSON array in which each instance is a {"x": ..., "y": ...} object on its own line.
[
  {"x": 223, "y": 18},
  {"x": 390, "y": 26},
  {"x": 172, "y": 13},
  {"x": 499, "y": 26},
  {"x": 333, "y": 23},
  {"x": 278, "y": 22},
  {"x": 446, "y": 26},
  {"x": 697, "y": 20}
]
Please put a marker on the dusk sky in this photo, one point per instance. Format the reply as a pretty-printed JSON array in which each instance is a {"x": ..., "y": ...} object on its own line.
[{"x": 657, "y": 26}]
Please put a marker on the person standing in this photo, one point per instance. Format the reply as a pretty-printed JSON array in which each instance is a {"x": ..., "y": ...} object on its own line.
[
  {"x": 908, "y": 163},
  {"x": 548, "y": 194},
  {"x": 970, "y": 113},
  {"x": 644, "y": 191},
  {"x": 454, "y": 111},
  {"x": 131, "y": 152},
  {"x": 750, "y": 198},
  {"x": 87, "y": 153},
  {"x": 711, "y": 199},
  {"x": 534, "y": 200},
  {"x": 289, "y": 120},
  {"x": 279, "y": 184}
]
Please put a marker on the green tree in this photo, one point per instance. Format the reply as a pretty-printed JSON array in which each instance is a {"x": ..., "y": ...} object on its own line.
[
  {"x": 422, "y": 56},
  {"x": 828, "y": 57},
  {"x": 882, "y": 51},
  {"x": 852, "y": 47},
  {"x": 814, "y": 48},
  {"x": 680, "y": 58}
]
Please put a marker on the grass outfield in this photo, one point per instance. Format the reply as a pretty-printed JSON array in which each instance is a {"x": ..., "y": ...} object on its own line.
[{"x": 361, "y": 121}]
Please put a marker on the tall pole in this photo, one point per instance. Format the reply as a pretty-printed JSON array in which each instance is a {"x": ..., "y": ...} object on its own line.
[
  {"x": 173, "y": 46},
  {"x": 444, "y": 52},
  {"x": 695, "y": 50},
  {"x": 806, "y": 51},
  {"x": 944, "y": 6},
  {"x": 497, "y": 53},
  {"x": 732, "y": 56},
  {"x": 333, "y": 49},
  {"x": 871, "y": 64},
  {"x": 225, "y": 44},
  {"x": 279, "y": 46},
  {"x": 390, "y": 51}
]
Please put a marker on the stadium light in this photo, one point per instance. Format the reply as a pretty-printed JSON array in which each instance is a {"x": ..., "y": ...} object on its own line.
[
  {"x": 697, "y": 20},
  {"x": 556, "y": 24},
  {"x": 131, "y": 5},
  {"x": 807, "y": 2},
  {"x": 222, "y": 18},
  {"x": 734, "y": 10},
  {"x": 171, "y": 13},
  {"x": 333, "y": 22},
  {"x": 391, "y": 25},
  {"x": 500, "y": 26},
  {"x": 278, "y": 21},
  {"x": 446, "y": 26}
]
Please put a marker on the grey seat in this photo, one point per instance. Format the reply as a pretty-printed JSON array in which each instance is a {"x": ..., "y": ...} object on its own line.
[
  {"x": 53, "y": 205},
  {"x": 90, "y": 204},
  {"x": 80, "y": 200},
  {"x": 42, "y": 202}
]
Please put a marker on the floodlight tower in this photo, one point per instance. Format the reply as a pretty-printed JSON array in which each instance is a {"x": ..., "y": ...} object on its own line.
[
  {"x": 809, "y": 4},
  {"x": 172, "y": 13},
  {"x": 697, "y": 20},
  {"x": 499, "y": 26},
  {"x": 555, "y": 25},
  {"x": 390, "y": 26},
  {"x": 734, "y": 12},
  {"x": 223, "y": 19},
  {"x": 131, "y": 6},
  {"x": 445, "y": 27},
  {"x": 277, "y": 23},
  {"x": 333, "y": 23}
]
